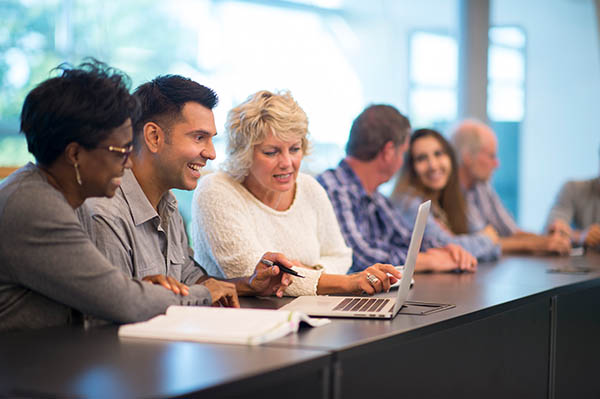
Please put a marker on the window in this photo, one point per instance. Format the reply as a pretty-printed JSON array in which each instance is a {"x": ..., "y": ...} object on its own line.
[
  {"x": 235, "y": 47},
  {"x": 506, "y": 74},
  {"x": 433, "y": 94},
  {"x": 433, "y": 71},
  {"x": 506, "y": 107}
]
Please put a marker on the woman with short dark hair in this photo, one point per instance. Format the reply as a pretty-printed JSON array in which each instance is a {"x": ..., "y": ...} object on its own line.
[{"x": 78, "y": 127}]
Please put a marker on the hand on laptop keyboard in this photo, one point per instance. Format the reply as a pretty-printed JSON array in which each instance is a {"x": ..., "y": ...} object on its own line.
[{"x": 374, "y": 279}]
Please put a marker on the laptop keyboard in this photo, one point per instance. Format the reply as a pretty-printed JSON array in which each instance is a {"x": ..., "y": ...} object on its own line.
[{"x": 361, "y": 304}]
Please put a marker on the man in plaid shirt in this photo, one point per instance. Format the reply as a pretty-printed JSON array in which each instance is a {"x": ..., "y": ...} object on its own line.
[{"x": 369, "y": 223}]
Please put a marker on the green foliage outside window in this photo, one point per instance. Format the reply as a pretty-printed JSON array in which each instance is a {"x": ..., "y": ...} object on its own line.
[{"x": 136, "y": 36}]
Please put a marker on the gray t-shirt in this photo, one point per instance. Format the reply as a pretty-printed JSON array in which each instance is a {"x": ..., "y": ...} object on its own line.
[
  {"x": 131, "y": 234},
  {"x": 51, "y": 271},
  {"x": 578, "y": 204}
]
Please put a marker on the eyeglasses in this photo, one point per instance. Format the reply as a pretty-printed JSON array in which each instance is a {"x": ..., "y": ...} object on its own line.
[{"x": 123, "y": 151}]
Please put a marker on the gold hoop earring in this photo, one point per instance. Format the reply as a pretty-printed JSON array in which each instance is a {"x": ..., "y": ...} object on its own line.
[{"x": 77, "y": 175}]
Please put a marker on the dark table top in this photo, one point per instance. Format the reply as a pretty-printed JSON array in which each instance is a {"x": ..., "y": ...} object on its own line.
[
  {"x": 96, "y": 363},
  {"x": 73, "y": 362},
  {"x": 495, "y": 287}
]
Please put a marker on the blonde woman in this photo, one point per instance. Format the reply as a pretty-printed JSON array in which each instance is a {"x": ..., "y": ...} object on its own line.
[{"x": 261, "y": 202}]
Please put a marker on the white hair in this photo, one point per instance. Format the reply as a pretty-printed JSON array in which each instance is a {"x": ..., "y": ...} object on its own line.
[{"x": 466, "y": 137}]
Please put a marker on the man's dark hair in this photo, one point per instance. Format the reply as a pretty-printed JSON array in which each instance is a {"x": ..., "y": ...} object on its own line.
[
  {"x": 81, "y": 105},
  {"x": 163, "y": 98},
  {"x": 374, "y": 127}
]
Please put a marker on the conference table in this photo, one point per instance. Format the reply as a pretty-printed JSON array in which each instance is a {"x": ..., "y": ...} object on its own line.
[{"x": 522, "y": 327}]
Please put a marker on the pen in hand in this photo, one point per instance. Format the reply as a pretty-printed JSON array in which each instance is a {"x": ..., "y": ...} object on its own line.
[{"x": 284, "y": 269}]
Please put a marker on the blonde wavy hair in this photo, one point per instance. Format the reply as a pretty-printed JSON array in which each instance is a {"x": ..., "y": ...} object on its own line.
[{"x": 249, "y": 123}]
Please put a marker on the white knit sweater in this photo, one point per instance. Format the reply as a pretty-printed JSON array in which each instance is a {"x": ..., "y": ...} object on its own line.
[{"x": 231, "y": 230}]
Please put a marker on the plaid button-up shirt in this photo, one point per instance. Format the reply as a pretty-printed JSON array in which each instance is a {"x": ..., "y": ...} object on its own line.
[
  {"x": 370, "y": 224},
  {"x": 485, "y": 207}
]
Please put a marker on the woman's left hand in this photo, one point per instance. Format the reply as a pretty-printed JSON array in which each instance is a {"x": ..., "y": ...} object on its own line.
[{"x": 464, "y": 260}]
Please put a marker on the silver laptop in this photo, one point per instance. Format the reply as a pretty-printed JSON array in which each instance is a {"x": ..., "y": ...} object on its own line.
[{"x": 360, "y": 306}]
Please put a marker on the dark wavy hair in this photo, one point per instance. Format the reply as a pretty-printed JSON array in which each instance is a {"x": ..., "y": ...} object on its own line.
[
  {"x": 451, "y": 199},
  {"x": 374, "y": 127},
  {"x": 163, "y": 98},
  {"x": 81, "y": 105}
]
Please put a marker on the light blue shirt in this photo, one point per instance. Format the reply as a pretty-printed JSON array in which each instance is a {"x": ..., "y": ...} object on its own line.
[
  {"x": 486, "y": 208},
  {"x": 370, "y": 224},
  {"x": 478, "y": 244}
]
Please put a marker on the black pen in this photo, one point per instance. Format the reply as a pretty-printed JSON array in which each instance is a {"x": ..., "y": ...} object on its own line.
[{"x": 281, "y": 267}]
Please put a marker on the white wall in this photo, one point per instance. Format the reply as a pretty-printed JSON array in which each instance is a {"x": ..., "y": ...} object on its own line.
[
  {"x": 561, "y": 131},
  {"x": 383, "y": 28}
]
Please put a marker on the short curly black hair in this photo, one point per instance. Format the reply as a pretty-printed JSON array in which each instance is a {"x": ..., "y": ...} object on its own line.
[{"x": 81, "y": 105}]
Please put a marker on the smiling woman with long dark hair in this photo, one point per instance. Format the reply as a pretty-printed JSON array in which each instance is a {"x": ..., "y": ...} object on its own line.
[{"x": 431, "y": 173}]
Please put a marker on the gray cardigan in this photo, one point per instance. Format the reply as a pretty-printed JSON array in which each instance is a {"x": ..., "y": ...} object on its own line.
[
  {"x": 50, "y": 271},
  {"x": 578, "y": 204}
]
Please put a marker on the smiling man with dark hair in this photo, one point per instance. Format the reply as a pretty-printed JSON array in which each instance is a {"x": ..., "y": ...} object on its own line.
[{"x": 141, "y": 229}]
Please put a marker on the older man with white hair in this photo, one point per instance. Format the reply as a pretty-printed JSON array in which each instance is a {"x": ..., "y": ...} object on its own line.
[{"x": 476, "y": 148}]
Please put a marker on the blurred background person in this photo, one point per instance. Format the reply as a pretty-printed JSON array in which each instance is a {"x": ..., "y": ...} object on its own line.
[
  {"x": 576, "y": 212},
  {"x": 476, "y": 148},
  {"x": 370, "y": 223},
  {"x": 430, "y": 172}
]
